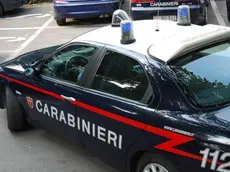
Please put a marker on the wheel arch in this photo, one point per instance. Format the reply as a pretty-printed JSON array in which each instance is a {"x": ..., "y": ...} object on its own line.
[
  {"x": 132, "y": 165},
  {"x": 3, "y": 84},
  {"x": 8, "y": 85},
  {"x": 133, "y": 160}
]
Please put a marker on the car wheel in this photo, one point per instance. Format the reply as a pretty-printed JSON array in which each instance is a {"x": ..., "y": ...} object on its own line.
[
  {"x": 228, "y": 9},
  {"x": 61, "y": 22},
  {"x": 1, "y": 10},
  {"x": 16, "y": 118},
  {"x": 154, "y": 163}
]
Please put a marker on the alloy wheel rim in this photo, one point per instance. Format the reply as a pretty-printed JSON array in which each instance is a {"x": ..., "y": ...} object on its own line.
[{"x": 154, "y": 167}]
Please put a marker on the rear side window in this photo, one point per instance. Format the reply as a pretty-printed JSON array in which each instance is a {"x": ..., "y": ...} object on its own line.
[
  {"x": 205, "y": 75},
  {"x": 122, "y": 76}
]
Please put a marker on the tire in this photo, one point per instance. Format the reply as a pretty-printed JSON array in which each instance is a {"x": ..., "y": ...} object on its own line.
[
  {"x": 229, "y": 16},
  {"x": 228, "y": 9},
  {"x": 16, "y": 118},
  {"x": 61, "y": 22},
  {"x": 1, "y": 10},
  {"x": 157, "y": 161}
]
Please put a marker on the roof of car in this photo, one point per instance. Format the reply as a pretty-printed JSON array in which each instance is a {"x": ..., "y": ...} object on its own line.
[{"x": 168, "y": 43}]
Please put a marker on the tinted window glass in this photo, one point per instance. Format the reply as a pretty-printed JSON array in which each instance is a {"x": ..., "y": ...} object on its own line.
[
  {"x": 205, "y": 75},
  {"x": 69, "y": 64},
  {"x": 121, "y": 76}
]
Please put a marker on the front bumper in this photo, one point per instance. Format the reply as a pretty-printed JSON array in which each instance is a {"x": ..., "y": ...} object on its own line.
[
  {"x": 84, "y": 10},
  {"x": 197, "y": 13}
]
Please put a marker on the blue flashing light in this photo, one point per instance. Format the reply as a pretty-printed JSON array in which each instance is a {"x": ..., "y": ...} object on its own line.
[
  {"x": 183, "y": 15},
  {"x": 126, "y": 27},
  {"x": 184, "y": 11},
  {"x": 127, "y": 35}
]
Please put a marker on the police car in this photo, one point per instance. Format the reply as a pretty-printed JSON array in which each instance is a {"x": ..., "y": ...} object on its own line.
[
  {"x": 152, "y": 101},
  {"x": 167, "y": 9}
]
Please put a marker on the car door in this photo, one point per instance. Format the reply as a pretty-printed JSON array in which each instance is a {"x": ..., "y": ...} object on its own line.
[
  {"x": 58, "y": 85},
  {"x": 114, "y": 102}
]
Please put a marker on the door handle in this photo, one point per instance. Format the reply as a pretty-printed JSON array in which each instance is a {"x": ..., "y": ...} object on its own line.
[{"x": 68, "y": 98}]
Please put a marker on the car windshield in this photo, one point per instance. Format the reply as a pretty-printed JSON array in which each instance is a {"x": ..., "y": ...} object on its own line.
[{"x": 205, "y": 75}]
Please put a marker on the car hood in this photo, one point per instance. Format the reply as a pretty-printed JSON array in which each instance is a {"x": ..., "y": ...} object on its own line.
[{"x": 24, "y": 61}]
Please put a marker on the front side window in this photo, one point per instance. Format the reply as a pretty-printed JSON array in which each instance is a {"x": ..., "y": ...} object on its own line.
[
  {"x": 122, "y": 76},
  {"x": 205, "y": 75},
  {"x": 69, "y": 63}
]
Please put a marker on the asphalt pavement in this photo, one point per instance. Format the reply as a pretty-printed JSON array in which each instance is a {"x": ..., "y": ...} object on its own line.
[{"x": 30, "y": 28}]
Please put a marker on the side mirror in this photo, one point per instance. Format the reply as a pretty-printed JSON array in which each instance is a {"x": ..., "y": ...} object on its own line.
[{"x": 29, "y": 72}]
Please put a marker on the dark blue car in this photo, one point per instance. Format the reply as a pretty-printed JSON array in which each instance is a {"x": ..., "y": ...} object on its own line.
[
  {"x": 7, "y": 5},
  {"x": 81, "y": 9},
  {"x": 152, "y": 101}
]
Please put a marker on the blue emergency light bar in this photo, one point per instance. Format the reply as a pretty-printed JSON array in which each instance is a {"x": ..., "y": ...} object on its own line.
[
  {"x": 127, "y": 35},
  {"x": 126, "y": 27},
  {"x": 183, "y": 15}
]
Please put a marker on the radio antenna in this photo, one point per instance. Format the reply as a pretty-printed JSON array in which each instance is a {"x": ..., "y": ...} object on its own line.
[{"x": 158, "y": 14}]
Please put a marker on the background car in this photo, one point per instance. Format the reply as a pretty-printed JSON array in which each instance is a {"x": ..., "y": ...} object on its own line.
[
  {"x": 81, "y": 9},
  {"x": 147, "y": 9},
  {"x": 7, "y": 5}
]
